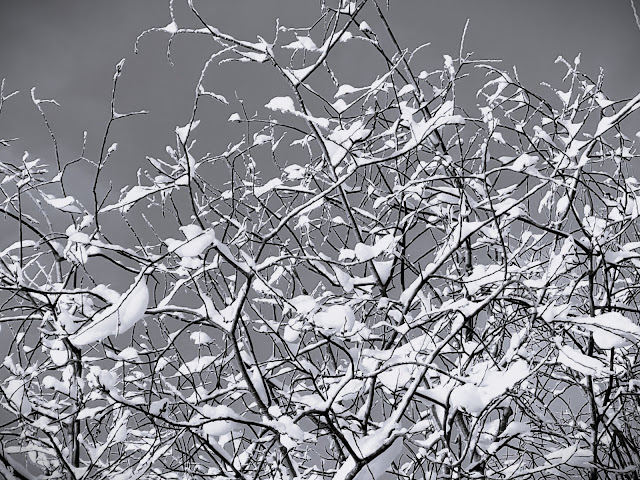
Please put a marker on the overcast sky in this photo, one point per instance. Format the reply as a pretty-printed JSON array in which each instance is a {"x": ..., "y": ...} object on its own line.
[{"x": 68, "y": 49}]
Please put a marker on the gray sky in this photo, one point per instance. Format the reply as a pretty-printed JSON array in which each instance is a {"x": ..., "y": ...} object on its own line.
[{"x": 68, "y": 49}]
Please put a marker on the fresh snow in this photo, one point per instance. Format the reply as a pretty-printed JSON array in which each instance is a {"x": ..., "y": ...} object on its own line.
[
  {"x": 183, "y": 132},
  {"x": 335, "y": 319},
  {"x": 486, "y": 384},
  {"x": 608, "y": 122},
  {"x": 197, "y": 241},
  {"x": 66, "y": 204},
  {"x": 384, "y": 269},
  {"x": 132, "y": 196},
  {"x": 365, "y": 252},
  {"x": 267, "y": 187},
  {"x": 611, "y": 329},
  {"x": 376, "y": 468},
  {"x": 572, "y": 456},
  {"x": 303, "y": 43},
  {"x": 116, "y": 318},
  {"x": 304, "y": 304},
  {"x": 483, "y": 275},
  {"x": 283, "y": 104},
  {"x": 345, "y": 89},
  {"x": 217, "y": 428},
  {"x": 578, "y": 361},
  {"x": 286, "y": 105},
  {"x": 196, "y": 365},
  {"x": 15, "y": 392},
  {"x": 200, "y": 338}
]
